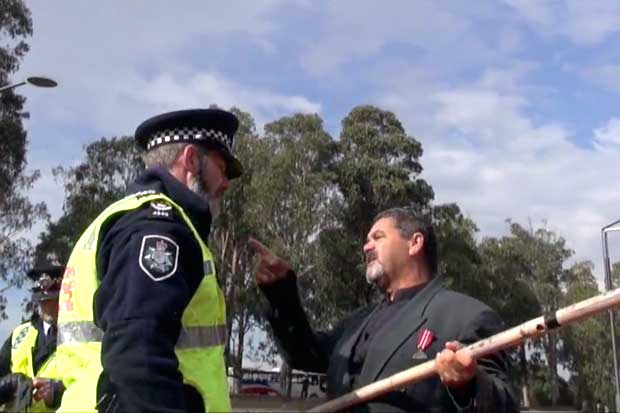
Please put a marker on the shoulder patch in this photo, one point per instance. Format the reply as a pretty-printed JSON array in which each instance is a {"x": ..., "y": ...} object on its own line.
[{"x": 159, "y": 257}]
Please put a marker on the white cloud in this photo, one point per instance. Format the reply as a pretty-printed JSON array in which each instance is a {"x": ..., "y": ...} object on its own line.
[
  {"x": 118, "y": 63},
  {"x": 203, "y": 89},
  {"x": 118, "y": 107},
  {"x": 488, "y": 155},
  {"x": 608, "y": 134},
  {"x": 361, "y": 29},
  {"x": 583, "y": 22},
  {"x": 103, "y": 54}
]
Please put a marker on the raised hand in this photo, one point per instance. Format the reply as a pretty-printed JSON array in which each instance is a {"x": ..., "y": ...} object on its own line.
[{"x": 269, "y": 267}]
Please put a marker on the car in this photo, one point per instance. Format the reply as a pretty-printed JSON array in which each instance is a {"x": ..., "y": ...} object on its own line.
[{"x": 257, "y": 388}]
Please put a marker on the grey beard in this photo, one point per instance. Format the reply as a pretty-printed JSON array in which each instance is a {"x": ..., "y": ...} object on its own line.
[
  {"x": 198, "y": 186},
  {"x": 374, "y": 273},
  {"x": 48, "y": 318}
]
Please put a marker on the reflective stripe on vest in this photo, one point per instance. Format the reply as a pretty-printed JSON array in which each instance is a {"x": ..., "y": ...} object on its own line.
[
  {"x": 78, "y": 332},
  {"x": 190, "y": 337},
  {"x": 202, "y": 338}
]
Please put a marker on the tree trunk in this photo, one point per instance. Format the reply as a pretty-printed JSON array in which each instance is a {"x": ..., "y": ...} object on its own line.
[
  {"x": 552, "y": 361},
  {"x": 228, "y": 293},
  {"x": 526, "y": 377},
  {"x": 240, "y": 340},
  {"x": 231, "y": 289},
  {"x": 286, "y": 378}
]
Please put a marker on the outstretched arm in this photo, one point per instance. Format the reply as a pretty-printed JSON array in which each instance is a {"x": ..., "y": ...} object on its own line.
[{"x": 302, "y": 347}]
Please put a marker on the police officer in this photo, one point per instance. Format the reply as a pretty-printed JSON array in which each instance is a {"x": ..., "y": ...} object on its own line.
[
  {"x": 142, "y": 318},
  {"x": 29, "y": 350}
]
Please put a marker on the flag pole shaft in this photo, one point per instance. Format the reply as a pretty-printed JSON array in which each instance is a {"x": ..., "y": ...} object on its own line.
[{"x": 501, "y": 341}]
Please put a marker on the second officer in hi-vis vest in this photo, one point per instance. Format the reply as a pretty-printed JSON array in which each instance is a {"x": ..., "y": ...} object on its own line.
[
  {"x": 142, "y": 318},
  {"x": 29, "y": 351}
]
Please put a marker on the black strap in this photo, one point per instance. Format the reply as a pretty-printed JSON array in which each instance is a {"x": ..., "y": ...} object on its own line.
[{"x": 551, "y": 321}]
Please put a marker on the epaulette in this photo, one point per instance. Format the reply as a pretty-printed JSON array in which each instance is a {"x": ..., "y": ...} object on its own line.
[{"x": 161, "y": 209}]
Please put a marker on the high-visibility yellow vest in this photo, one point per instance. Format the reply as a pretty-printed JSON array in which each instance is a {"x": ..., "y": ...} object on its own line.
[
  {"x": 200, "y": 346},
  {"x": 23, "y": 341}
]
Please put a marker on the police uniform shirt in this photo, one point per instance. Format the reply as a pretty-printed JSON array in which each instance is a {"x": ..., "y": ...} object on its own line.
[{"x": 140, "y": 299}]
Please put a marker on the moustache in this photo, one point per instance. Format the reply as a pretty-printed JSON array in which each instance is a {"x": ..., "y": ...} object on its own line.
[{"x": 371, "y": 256}]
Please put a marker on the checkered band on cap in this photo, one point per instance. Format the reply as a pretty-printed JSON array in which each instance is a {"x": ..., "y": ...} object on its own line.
[{"x": 187, "y": 134}]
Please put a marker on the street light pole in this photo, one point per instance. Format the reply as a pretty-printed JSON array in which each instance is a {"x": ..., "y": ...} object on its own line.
[
  {"x": 612, "y": 325},
  {"x": 37, "y": 81}
]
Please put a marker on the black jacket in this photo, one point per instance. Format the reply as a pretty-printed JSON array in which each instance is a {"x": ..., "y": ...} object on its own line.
[
  {"x": 447, "y": 314},
  {"x": 139, "y": 311}
]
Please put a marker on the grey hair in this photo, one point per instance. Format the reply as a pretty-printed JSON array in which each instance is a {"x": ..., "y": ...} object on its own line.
[
  {"x": 408, "y": 222},
  {"x": 164, "y": 155}
]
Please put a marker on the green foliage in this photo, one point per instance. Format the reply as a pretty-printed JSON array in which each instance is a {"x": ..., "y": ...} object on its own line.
[
  {"x": 377, "y": 167},
  {"x": 102, "y": 178},
  {"x": 594, "y": 375},
  {"x": 229, "y": 243},
  {"x": 17, "y": 213},
  {"x": 526, "y": 272},
  {"x": 459, "y": 257},
  {"x": 15, "y": 27}
]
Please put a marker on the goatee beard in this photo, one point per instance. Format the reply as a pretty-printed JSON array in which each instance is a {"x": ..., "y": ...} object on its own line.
[{"x": 374, "y": 273}]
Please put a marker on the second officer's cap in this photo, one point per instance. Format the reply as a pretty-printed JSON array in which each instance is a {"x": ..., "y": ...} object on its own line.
[{"x": 47, "y": 282}]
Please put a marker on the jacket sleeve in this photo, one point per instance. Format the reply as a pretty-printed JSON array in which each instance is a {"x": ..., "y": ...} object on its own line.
[
  {"x": 149, "y": 274},
  {"x": 5, "y": 356},
  {"x": 303, "y": 348},
  {"x": 491, "y": 391}
]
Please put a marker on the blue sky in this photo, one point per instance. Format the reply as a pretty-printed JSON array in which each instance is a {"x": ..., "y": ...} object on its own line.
[{"x": 514, "y": 101}]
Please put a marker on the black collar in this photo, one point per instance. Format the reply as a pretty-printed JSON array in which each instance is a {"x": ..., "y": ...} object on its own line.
[
  {"x": 404, "y": 293},
  {"x": 160, "y": 180}
]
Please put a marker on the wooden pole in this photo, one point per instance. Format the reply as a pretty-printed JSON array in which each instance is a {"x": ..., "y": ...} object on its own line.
[{"x": 501, "y": 341}]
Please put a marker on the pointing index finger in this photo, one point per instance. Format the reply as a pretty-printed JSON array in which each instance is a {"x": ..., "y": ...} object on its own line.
[{"x": 259, "y": 247}]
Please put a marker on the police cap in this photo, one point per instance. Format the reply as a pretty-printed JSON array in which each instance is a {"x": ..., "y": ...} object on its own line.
[
  {"x": 47, "y": 282},
  {"x": 214, "y": 128}
]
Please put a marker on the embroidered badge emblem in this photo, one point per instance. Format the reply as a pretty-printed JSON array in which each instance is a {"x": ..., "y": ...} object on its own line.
[{"x": 159, "y": 257}]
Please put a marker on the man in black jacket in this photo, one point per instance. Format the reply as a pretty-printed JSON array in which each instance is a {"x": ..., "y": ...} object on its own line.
[{"x": 416, "y": 321}]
